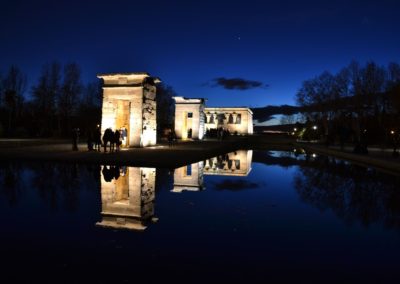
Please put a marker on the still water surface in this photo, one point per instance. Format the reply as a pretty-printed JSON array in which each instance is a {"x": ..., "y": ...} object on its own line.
[{"x": 244, "y": 216}]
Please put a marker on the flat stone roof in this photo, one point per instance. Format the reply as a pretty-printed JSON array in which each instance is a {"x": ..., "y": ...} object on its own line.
[
  {"x": 228, "y": 109},
  {"x": 183, "y": 100},
  {"x": 129, "y": 76}
]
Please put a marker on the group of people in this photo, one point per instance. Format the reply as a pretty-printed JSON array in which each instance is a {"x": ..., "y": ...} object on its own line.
[
  {"x": 115, "y": 138},
  {"x": 95, "y": 141},
  {"x": 220, "y": 133}
]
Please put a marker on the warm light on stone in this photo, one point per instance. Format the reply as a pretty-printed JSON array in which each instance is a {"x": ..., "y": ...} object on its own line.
[
  {"x": 190, "y": 177},
  {"x": 236, "y": 120},
  {"x": 189, "y": 118},
  {"x": 192, "y": 119},
  {"x": 127, "y": 200},
  {"x": 129, "y": 101}
]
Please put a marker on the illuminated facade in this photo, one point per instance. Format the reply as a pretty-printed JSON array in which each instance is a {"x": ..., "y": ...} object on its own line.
[
  {"x": 127, "y": 197},
  {"x": 129, "y": 103},
  {"x": 189, "y": 118},
  {"x": 235, "y": 120},
  {"x": 193, "y": 119}
]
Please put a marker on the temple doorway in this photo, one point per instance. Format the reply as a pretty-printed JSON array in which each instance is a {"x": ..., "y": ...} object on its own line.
[
  {"x": 122, "y": 121},
  {"x": 187, "y": 125}
]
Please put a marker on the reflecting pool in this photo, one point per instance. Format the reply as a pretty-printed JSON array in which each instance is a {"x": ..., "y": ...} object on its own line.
[{"x": 265, "y": 216}]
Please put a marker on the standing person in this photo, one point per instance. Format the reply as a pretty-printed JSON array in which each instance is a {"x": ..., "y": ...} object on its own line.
[
  {"x": 89, "y": 141},
  {"x": 170, "y": 138},
  {"x": 97, "y": 138},
  {"x": 75, "y": 137},
  {"x": 124, "y": 134},
  {"x": 117, "y": 136}
]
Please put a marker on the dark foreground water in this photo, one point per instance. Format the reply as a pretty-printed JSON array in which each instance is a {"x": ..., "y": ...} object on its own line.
[{"x": 242, "y": 217}]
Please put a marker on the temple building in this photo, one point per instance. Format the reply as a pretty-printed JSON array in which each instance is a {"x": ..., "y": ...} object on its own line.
[
  {"x": 235, "y": 120},
  {"x": 193, "y": 119},
  {"x": 129, "y": 104},
  {"x": 189, "y": 118},
  {"x": 127, "y": 197}
]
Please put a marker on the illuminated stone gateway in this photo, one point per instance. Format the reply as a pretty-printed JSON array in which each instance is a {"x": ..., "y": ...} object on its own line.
[{"x": 129, "y": 103}]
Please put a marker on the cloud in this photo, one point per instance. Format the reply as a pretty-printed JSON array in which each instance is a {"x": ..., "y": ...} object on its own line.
[{"x": 236, "y": 83}]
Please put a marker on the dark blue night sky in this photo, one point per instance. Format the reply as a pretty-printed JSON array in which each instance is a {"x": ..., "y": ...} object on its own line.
[{"x": 188, "y": 44}]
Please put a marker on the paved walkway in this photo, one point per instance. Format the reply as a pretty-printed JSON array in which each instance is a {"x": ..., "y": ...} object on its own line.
[{"x": 162, "y": 155}]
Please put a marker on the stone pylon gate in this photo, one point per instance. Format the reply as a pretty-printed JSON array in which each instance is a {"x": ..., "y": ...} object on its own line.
[{"x": 129, "y": 105}]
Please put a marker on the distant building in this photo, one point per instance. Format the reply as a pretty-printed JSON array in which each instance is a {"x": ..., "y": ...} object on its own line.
[
  {"x": 189, "y": 118},
  {"x": 129, "y": 102},
  {"x": 235, "y": 120},
  {"x": 193, "y": 119}
]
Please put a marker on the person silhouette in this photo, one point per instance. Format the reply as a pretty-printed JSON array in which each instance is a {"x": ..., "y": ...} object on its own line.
[{"x": 75, "y": 138}]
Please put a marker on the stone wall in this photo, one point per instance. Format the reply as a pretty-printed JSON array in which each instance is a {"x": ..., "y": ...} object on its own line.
[
  {"x": 137, "y": 91},
  {"x": 184, "y": 107},
  {"x": 236, "y": 120},
  {"x": 149, "y": 118}
]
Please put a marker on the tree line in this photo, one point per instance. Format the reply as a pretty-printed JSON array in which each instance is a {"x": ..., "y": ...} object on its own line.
[
  {"x": 360, "y": 103},
  {"x": 59, "y": 102}
]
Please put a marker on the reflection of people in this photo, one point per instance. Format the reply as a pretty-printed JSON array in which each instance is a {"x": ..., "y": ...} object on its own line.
[
  {"x": 110, "y": 173},
  {"x": 123, "y": 171}
]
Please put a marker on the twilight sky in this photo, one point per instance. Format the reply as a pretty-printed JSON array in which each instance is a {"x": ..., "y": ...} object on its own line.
[{"x": 234, "y": 53}]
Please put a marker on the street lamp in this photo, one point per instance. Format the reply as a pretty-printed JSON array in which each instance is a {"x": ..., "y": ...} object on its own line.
[{"x": 315, "y": 127}]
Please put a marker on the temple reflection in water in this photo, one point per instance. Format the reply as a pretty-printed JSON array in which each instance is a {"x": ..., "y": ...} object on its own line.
[
  {"x": 190, "y": 177},
  {"x": 128, "y": 193},
  {"x": 127, "y": 197}
]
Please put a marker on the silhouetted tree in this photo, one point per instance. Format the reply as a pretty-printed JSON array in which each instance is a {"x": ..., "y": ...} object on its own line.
[
  {"x": 89, "y": 110},
  {"x": 44, "y": 98},
  {"x": 68, "y": 99},
  {"x": 360, "y": 98},
  {"x": 14, "y": 86}
]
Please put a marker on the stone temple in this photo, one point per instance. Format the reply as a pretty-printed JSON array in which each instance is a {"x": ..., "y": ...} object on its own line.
[
  {"x": 193, "y": 119},
  {"x": 129, "y": 104}
]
